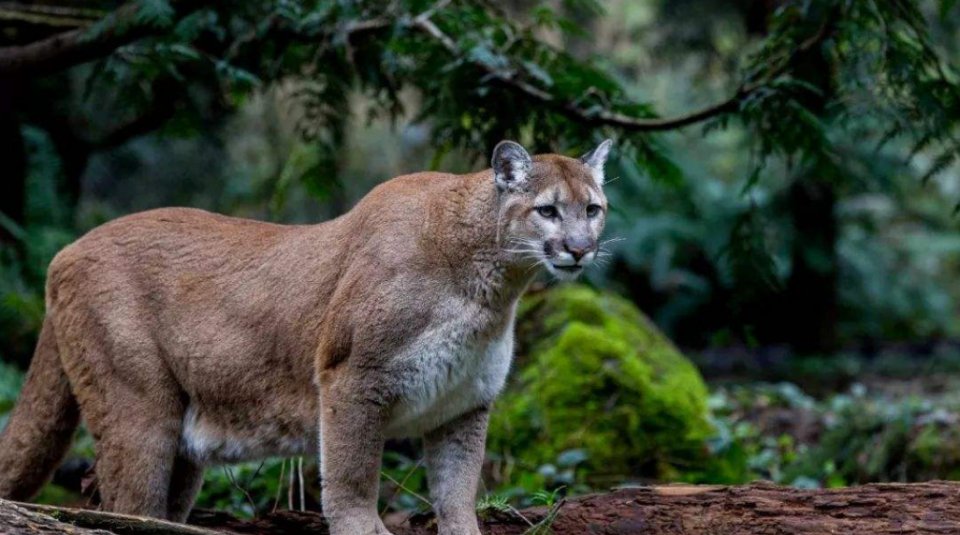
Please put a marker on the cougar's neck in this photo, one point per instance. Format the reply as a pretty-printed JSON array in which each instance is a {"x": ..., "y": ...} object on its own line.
[{"x": 477, "y": 245}]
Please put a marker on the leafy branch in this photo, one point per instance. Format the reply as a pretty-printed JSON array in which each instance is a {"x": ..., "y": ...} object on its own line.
[
  {"x": 128, "y": 25},
  {"x": 606, "y": 117}
]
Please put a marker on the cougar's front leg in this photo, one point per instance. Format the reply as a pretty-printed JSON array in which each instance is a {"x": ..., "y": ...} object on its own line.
[
  {"x": 454, "y": 454},
  {"x": 351, "y": 447}
]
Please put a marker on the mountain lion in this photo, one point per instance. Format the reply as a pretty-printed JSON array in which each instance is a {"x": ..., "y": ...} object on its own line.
[{"x": 185, "y": 338}]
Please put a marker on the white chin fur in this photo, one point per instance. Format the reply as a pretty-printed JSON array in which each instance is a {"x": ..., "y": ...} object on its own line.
[{"x": 563, "y": 275}]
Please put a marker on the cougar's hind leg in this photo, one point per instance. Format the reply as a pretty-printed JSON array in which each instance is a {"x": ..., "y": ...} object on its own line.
[
  {"x": 135, "y": 458},
  {"x": 133, "y": 408},
  {"x": 185, "y": 482}
]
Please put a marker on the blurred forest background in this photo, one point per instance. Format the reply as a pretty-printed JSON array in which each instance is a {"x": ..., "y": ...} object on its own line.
[{"x": 784, "y": 198}]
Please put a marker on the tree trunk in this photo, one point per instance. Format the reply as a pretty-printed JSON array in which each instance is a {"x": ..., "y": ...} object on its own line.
[
  {"x": 811, "y": 294},
  {"x": 760, "y": 508}
]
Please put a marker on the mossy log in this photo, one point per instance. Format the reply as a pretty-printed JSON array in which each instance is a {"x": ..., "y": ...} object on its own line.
[{"x": 761, "y": 508}]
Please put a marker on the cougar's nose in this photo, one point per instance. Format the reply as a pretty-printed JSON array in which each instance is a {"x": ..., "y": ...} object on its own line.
[{"x": 578, "y": 247}]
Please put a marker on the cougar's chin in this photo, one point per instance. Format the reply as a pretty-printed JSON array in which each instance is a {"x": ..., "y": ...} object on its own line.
[{"x": 565, "y": 273}]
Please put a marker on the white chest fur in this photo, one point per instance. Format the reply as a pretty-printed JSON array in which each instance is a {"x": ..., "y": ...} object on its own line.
[{"x": 459, "y": 364}]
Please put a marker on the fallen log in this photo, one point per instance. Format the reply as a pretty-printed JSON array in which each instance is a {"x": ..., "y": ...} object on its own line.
[
  {"x": 759, "y": 508},
  {"x": 52, "y": 519},
  {"x": 16, "y": 519}
]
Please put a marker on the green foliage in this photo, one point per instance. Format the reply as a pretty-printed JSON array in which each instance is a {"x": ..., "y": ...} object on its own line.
[
  {"x": 699, "y": 245},
  {"x": 870, "y": 440},
  {"x": 404, "y": 483},
  {"x": 889, "y": 79},
  {"x": 599, "y": 391},
  {"x": 762, "y": 453},
  {"x": 919, "y": 94},
  {"x": 490, "y": 503},
  {"x": 248, "y": 489},
  {"x": 11, "y": 379},
  {"x": 23, "y": 263},
  {"x": 848, "y": 438},
  {"x": 700, "y": 253},
  {"x": 158, "y": 13},
  {"x": 895, "y": 285}
]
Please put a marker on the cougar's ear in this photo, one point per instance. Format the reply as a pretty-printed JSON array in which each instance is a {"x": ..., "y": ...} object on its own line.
[
  {"x": 511, "y": 166},
  {"x": 596, "y": 158}
]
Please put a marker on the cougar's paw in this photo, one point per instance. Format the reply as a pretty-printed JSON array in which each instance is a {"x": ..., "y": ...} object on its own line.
[
  {"x": 358, "y": 525},
  {"x": 463, "y": 526},
  {"x": 459, "y": 530}
]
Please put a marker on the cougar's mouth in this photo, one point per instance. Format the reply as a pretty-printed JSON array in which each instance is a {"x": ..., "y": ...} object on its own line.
[{"x": 569, "y": 269}]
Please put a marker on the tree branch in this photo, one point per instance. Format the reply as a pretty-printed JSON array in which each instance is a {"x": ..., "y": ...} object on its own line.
[
  {"x": 602, "y": 118},
  {"x": 71, "y": 48},
  {"x": 605, "y": 117},
  {"x": 44, "y": 15},
  {"x": 80, "y": 45}
]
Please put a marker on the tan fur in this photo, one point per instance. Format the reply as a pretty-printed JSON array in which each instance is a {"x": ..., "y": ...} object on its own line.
[{"x": 188, "y": 338}]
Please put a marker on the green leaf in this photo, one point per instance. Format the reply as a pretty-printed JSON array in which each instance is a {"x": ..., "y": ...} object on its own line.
[
  {"x": 155, "y": 13},
  {"x": 946, "y": 6},
  {"x": 484, "y": 55},
  {"x": 538, "y": 72}
]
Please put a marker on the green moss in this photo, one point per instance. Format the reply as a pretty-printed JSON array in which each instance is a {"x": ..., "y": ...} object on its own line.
[{"x": 594, "y": 374}]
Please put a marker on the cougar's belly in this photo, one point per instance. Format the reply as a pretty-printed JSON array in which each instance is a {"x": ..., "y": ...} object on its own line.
[{"x": 244, "y": 432}]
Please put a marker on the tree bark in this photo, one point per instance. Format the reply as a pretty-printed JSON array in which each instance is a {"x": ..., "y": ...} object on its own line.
[
  {"x": 759, "y": 508},
  {"x": 32, "y": 518},
  {"x": 812, "y": 293}
]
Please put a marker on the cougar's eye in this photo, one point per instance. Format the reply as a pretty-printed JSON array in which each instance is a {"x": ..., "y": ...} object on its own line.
[
  {"x": 549, "y": 211},
  {"x": 593, "y": 210}
]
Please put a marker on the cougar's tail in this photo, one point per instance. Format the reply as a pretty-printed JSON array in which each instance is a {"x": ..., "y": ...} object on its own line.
[{"x": 41, "y": 425}]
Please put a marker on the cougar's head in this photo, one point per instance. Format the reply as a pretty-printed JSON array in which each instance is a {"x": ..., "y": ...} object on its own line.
[{"x": 552, "y": 207}]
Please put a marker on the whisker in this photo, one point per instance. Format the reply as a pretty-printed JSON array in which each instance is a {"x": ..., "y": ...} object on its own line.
[
  {"x": 529, "y": 256},
  {"x": 531, "y": 244}
]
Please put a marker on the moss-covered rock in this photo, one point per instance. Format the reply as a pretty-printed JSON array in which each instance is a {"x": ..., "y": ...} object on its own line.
[{"x": 594, "y": 376}]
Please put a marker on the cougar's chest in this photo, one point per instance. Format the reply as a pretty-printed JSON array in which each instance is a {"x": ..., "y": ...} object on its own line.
[{"x": 456, "y": 366}]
